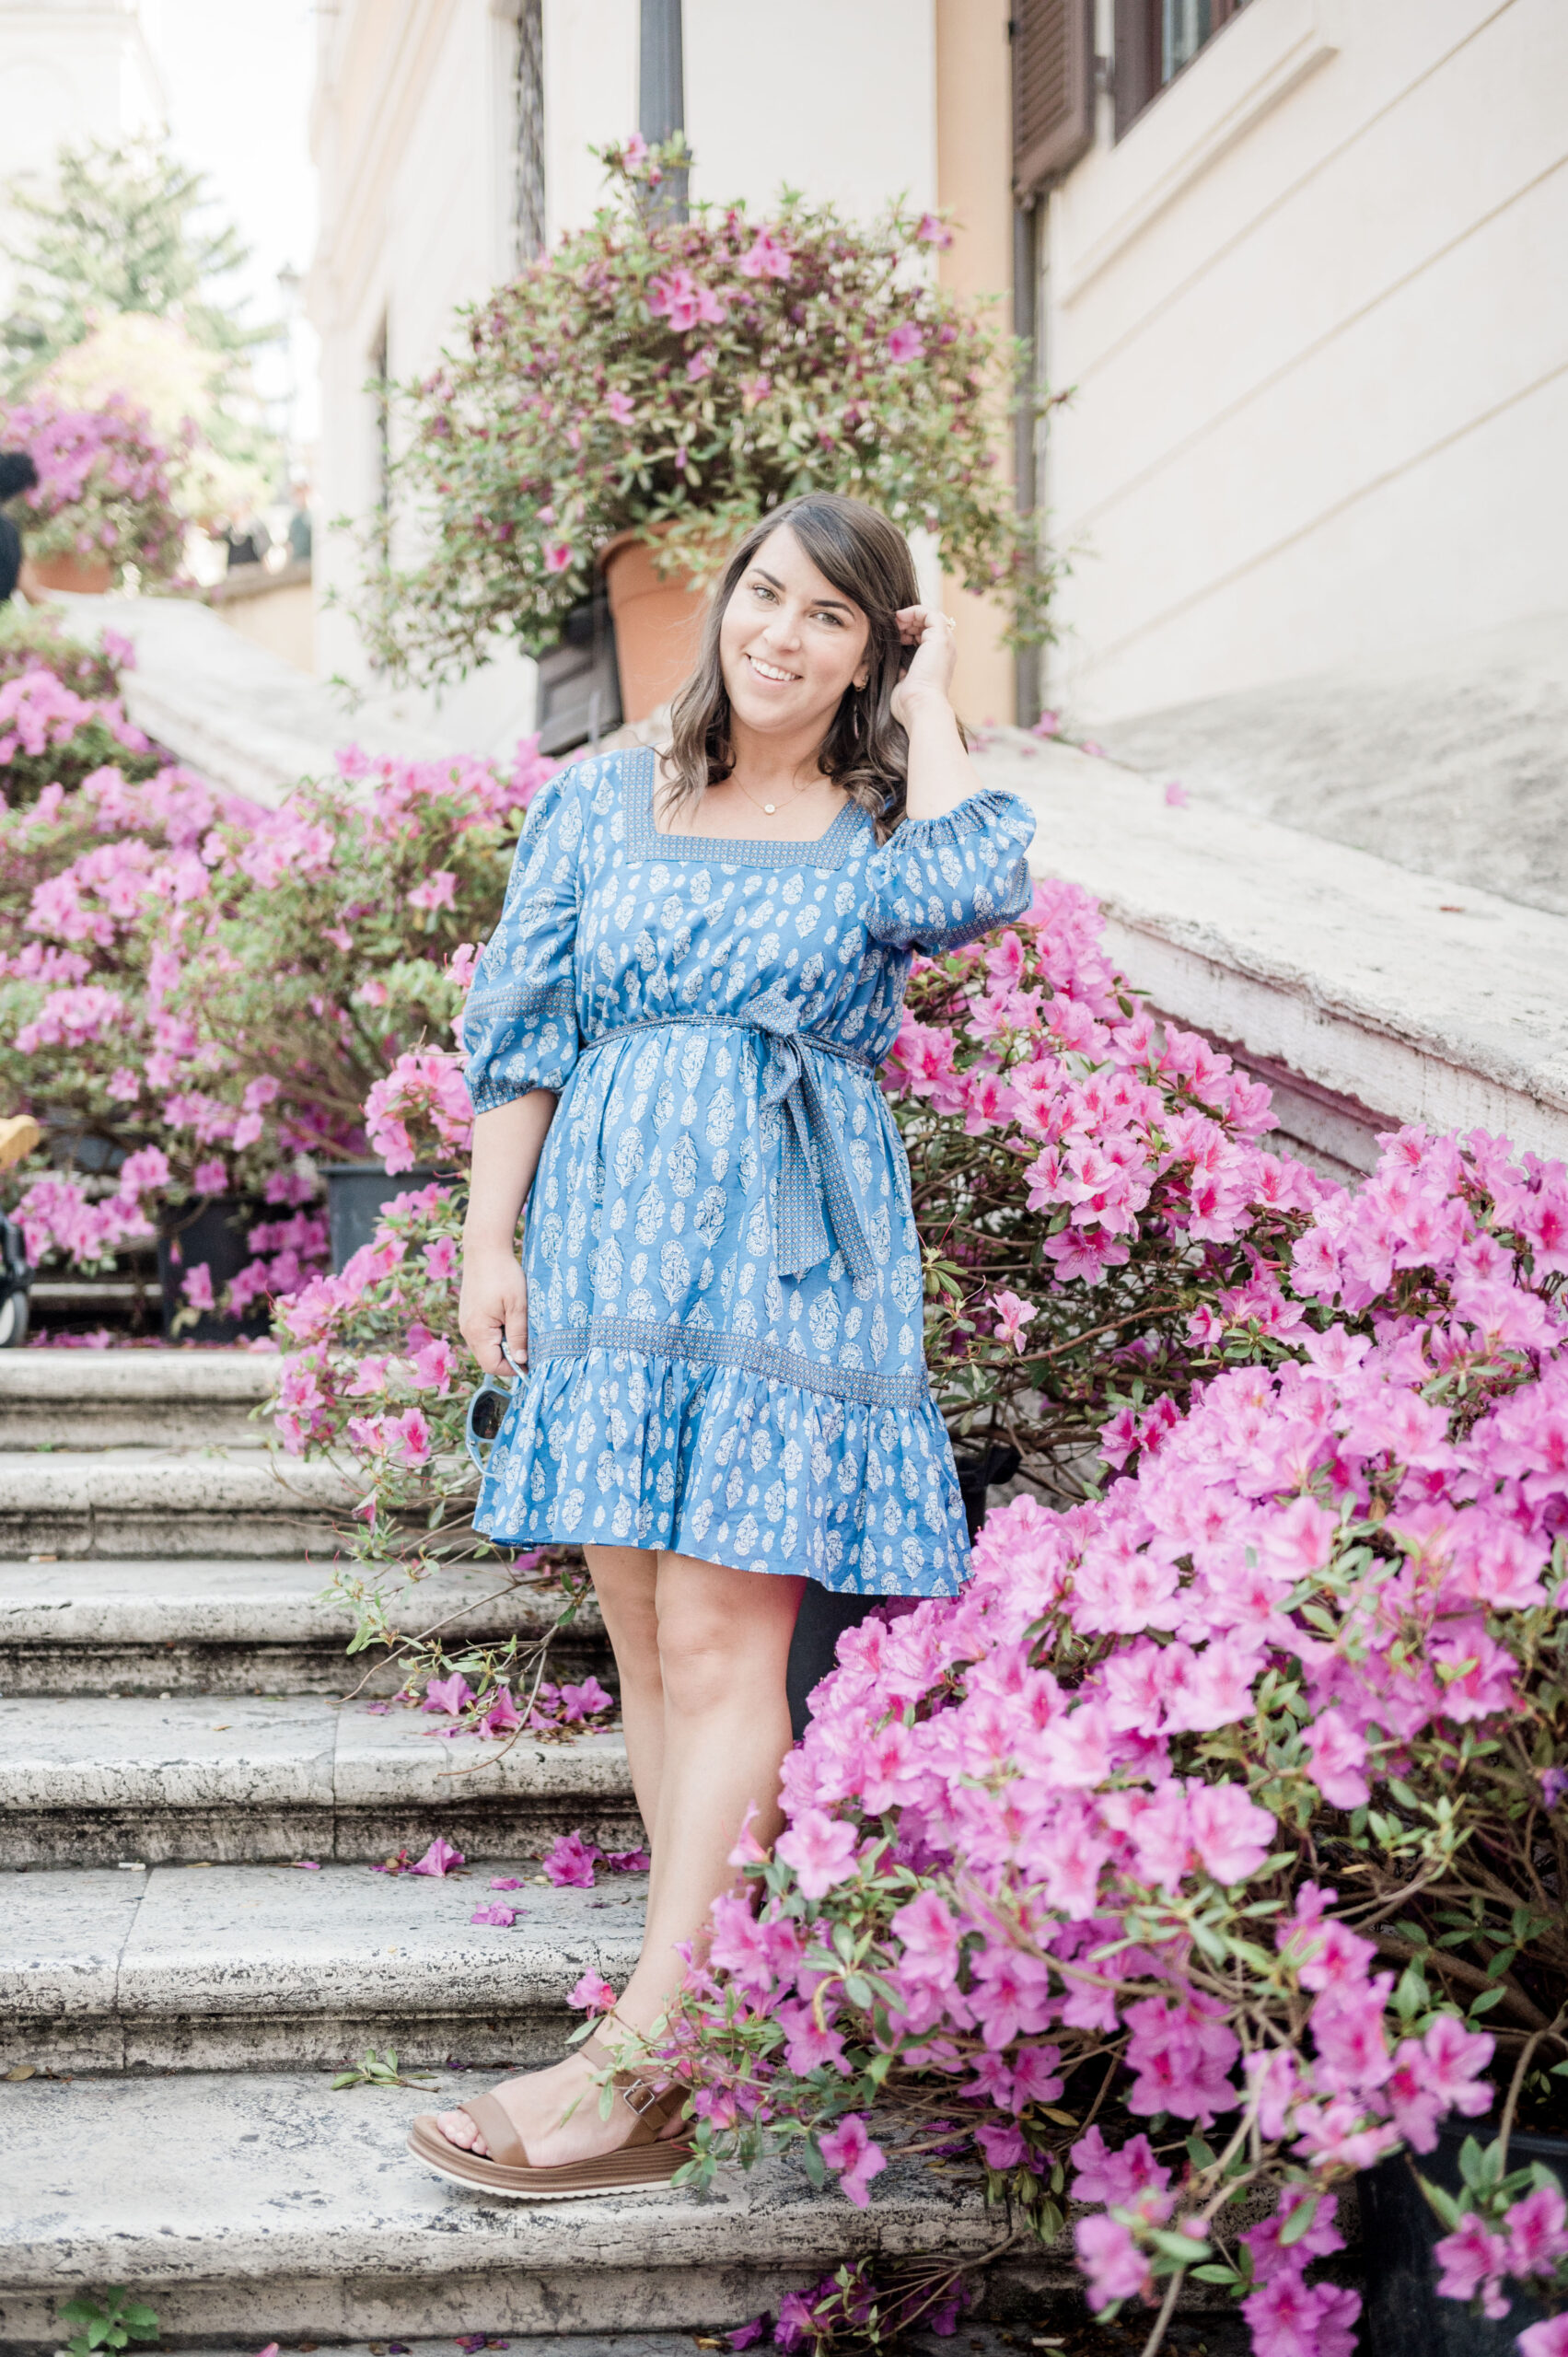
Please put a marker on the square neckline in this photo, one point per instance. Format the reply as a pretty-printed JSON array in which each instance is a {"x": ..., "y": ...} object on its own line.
[{"x": 644, "y": 841}]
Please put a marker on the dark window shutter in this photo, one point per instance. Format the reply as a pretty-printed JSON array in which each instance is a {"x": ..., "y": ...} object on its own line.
[
  {"x": 1137, "y": 74},
  {"x": 1054, "y": 89}
]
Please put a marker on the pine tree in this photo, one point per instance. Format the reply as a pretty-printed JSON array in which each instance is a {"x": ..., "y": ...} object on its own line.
[{"x": 121, "y": 232}]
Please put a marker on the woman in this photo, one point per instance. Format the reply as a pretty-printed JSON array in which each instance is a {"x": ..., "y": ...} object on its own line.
[
  {"x": 18, "y": 473},
  {"x": 672, "y": 1043}
]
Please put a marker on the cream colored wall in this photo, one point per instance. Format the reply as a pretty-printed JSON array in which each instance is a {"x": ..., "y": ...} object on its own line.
[
  {"x": 974, "y": 180},
  {"x": 590, "y": 98},
  {"x": 410, "y": 122},
  {"x": 410, "y": 127},
  {"x": 837, "y": 97},
  {"x": 1314, "y": 317}
]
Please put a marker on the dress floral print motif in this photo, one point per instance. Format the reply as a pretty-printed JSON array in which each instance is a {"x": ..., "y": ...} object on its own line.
[{"x": 725, "y": 1294}]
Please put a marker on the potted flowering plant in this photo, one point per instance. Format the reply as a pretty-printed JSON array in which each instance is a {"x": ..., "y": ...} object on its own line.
[
  {"x": 654, "y": 386},
  {"x": 104, "y": 497}
]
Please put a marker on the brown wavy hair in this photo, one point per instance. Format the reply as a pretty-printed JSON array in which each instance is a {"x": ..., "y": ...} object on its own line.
[{"x": 864, "y": 751}]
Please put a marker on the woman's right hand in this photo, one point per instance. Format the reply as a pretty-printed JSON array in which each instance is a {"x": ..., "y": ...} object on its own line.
[{"x": 494, "y": 1302}]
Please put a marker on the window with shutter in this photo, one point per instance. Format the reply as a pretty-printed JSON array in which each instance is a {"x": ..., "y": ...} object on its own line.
[
  {"x": 1155, "y": 40},
  {"x": 1054, "y": 89}
]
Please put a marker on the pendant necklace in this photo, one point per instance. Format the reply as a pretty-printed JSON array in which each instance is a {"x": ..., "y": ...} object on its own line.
[{"x": 769, "y": 809}]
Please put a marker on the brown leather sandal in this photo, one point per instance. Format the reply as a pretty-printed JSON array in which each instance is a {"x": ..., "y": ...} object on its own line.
[{"x": 646, "y": 2162}]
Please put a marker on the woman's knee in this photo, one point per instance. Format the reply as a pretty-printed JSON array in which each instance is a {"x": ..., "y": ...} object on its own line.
[
  {"x": 624, "y": 1580},
  {"x": 720, "y": 1642}
]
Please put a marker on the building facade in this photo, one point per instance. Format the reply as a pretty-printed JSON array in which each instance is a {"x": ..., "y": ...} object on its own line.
[
  {"x": 453, "y": 136},
  {"x": 1300, "y": 276},
  {"x": 1290, "y": 265}
]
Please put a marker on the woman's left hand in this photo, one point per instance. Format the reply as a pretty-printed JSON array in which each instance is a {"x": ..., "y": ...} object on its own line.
[{"x": 931, "y": 674}]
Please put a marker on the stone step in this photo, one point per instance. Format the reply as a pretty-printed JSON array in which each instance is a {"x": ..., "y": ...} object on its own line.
[
  {"x": 194, "y": 1624},
  {"x": 979, "y": 2340},
  {"x": 90, "y": 1400},
  {"x": 233, "y": 1778},
  {"x": 270, "y": 1967},
  {"x": 267, "y": 2207},
  {"x": 120, "y": 1501}
]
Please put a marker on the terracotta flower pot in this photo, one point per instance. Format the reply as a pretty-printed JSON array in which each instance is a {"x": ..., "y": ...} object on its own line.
[
  {"x": 82, "y": 576},
  {"x": 658, "y": 624}
]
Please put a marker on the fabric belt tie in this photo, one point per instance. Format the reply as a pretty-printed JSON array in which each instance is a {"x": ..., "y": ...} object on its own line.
[{"x": 809, "y": 1203}]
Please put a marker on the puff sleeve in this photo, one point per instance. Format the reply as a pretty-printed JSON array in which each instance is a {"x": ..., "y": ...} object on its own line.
[
  {"x": 937, "y": 883},
  {"x": 520, "y": 1023}
]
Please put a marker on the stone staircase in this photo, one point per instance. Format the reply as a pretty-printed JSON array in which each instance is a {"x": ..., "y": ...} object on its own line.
[{"x": 193, "y": 1937}]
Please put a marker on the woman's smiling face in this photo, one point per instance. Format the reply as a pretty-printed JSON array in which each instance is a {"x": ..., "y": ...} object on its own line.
[{"x": 790, "y": 644}]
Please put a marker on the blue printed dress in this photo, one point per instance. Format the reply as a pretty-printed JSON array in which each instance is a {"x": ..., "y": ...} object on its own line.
[{"x": 724, "y": 1293}]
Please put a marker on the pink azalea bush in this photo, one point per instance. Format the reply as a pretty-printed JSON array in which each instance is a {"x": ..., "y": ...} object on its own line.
[
  {"x": 1103, "y": 1221},
  {"x": 681, "y": 378},
  {"x": 33, "y": 638},
  {"x": 106, "y": 487},
  {"x": 1205, "y": 1850},
  {"x": 51, "y": 733},
  {"x": 225, "y": 985}
]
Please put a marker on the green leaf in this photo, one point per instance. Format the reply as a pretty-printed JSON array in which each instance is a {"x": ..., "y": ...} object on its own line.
[
  {"x": 1215, "y": 2273},
  {"x": 858, "y": 1989},
  {"x": 1299, "y": 2221},
  {"x": 1182, "y": 2248},
  {"x": 1441, "y": 2203}
]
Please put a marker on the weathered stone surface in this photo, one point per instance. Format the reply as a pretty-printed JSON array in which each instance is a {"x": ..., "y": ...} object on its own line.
[
  {"x": 1418, "y": 1000},
  {"x": 61, "y": 1940},
  {"x": 249, "y": 1967},
  {"x": 81, "y": 1399},
  {"x": 246, "y": 719},
  {"x": 1447, "y": 759},
  {"x": 231, "y": 2203},
  {"x": 189, "y": 1752},
  {"x": 244, "y": 1625},
  {"x": 402, "y": 1761},
  {"x": 145, "y": 1502},
  {"x": 240, "y": 1940},
  {"x": 236, "y": 1778}
]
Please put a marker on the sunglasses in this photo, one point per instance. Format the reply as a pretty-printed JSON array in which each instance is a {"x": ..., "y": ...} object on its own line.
[{"x": 488, "y": 1409}]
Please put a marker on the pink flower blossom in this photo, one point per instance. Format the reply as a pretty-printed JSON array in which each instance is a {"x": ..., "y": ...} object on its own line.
[
  {"x": 932, "y": 230},
  {"x": 451, "y": 1695},
  {"x": 764, "y": 258},
  {"x": 1012, "y": 1315},
  {"x": 502, "y": 1916},
  {"x": 439, "y": 890},
  {"x": 821, "y": 1851},
  {"x": 1111, "y": 2262},
  {"x": 848, "y": 2149},
  {"x": 569, "y": 1863},
  {"x": 906, "y": 342},
  {"x": 592, "y": 1993},
  {"x": 439, "y": 1861}
]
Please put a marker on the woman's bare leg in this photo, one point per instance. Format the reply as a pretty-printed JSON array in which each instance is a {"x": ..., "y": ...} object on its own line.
[
  {"x": 722, "y": 1640},
  {"x": 624, "y": 1579},
  {"x": 724, "y": 1644}
]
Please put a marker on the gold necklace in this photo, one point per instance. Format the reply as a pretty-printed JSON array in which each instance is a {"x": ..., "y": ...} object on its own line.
[{"x": 769, "y": 809}]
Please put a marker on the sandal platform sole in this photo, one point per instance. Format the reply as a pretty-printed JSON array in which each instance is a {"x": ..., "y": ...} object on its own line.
[{"x": 639, "y": 2168}]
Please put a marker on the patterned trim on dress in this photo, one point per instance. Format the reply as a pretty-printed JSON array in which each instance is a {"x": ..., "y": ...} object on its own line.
[
  {"x": 644, "y": 840},
  {"x": 741, "y": 1019},
  {"x": 705, "y": 1348}
]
